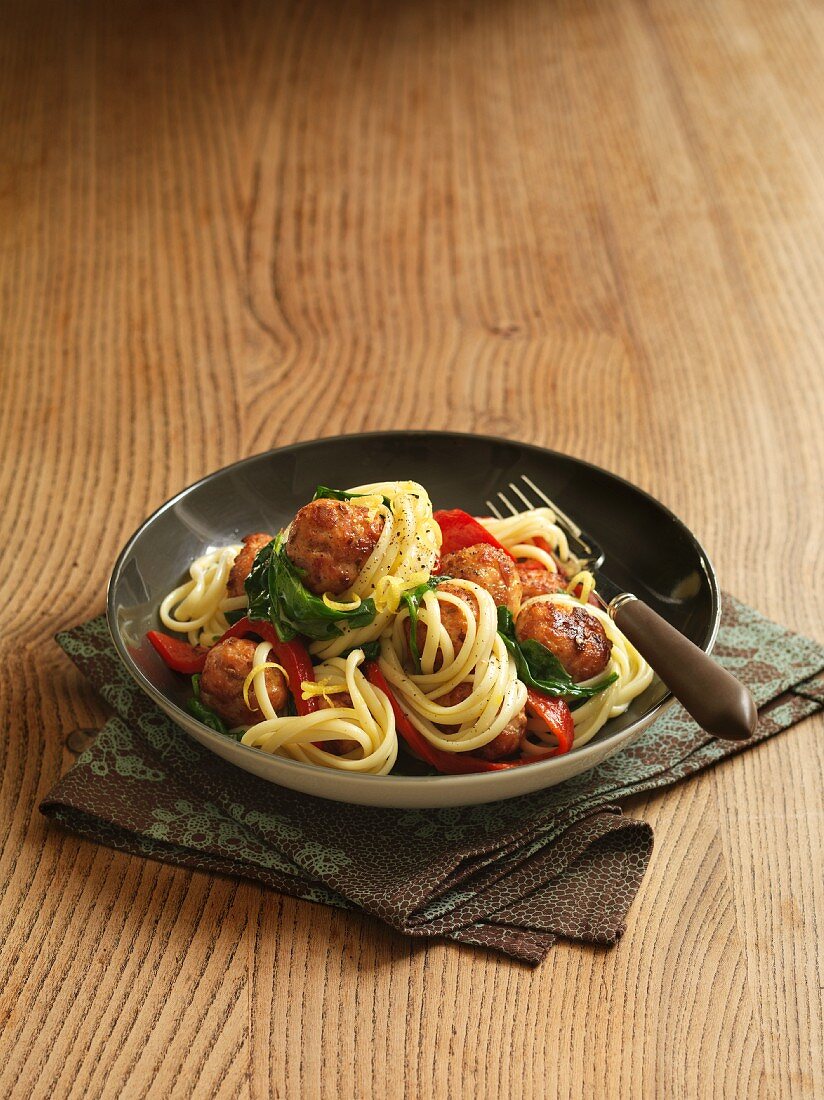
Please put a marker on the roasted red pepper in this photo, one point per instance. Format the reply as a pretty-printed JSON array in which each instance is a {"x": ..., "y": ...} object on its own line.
[
  {"x": 542, "y": 544},
  {"x": 416, "y": 741},
  {"x": 462, "y": 763},
  {"x": 177, "y": 654},
  {"x": 460, "y": 530},
  {"x": 292, "y": 655},
  {"x": 557, "y": 716}
]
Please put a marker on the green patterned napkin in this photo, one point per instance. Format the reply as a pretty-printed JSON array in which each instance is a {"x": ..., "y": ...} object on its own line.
[{"x": 513, "y": 875}]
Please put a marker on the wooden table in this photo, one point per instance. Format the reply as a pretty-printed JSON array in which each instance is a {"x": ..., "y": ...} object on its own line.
[{"x": 597, "y": 226}]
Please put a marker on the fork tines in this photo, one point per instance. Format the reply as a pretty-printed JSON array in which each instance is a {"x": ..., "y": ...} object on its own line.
[{"x": 584, "y": 548}]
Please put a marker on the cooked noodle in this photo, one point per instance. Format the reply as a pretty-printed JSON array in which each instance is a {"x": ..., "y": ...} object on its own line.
[
  {"x": 197, "y": 608},
  {"x": 367, "y": 727},
  {"x": 407, "y": 549},
  {"x": 517, "y": 532},
  {"x": 403, "y": 558},
  {"x": 497, "y": 695}
]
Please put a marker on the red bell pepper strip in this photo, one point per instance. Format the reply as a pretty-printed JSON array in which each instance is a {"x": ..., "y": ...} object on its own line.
[
  {"x": 542, "y": 544},
  {"x": 292, "y": 655},
  {"x": 460, "y": 530},
  {"x": 416, "y": 741},
  {"x": 531, "y": 564},
  {"x": 456, "y": 763},
  {"x": 557, "y": 716},
  {"x": 177, "y": 654}
]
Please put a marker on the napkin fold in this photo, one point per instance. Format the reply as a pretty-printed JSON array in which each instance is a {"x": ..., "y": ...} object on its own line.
[{"x": 510, "y": 875}]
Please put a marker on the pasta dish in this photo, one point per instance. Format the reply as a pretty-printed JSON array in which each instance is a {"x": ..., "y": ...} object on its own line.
[{"x": 373, "y": 624}]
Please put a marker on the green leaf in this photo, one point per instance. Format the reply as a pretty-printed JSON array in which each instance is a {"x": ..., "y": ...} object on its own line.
[
  {"x": 371, "y": 650},
  {"x": 206, "y": 715},
  {"x": 277, "y": 593},
  {"x": 541, "y": 669},
  {"x": 412, "y": 598},
  {"x": 286, "y": 632},
  {"x": 506, "y": 623},
  {"x": 257, "y": 584}
]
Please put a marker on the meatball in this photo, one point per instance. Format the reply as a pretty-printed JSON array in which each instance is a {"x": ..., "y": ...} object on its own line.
[
  {"x": 335, "y": 700},
  {"x": 452, "y": 618},
  {"x": 341, "y": 745},
  {"x": 539, "y": 582},
  {"x": 509, "y": 740},
  {"x": 329, "y": 541},
  {"x": 221, "y": 684},
  {"x": 488, "y": 567},
  {"x": 252, "y": 545},
  {"x": 575, "y": 636}
]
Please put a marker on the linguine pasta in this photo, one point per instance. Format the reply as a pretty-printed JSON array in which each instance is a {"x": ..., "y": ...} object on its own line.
[
  {"x": 367, "y": 726},
  {"x": 198, "y": 607},
  {"x": 497, "y": 695},
  {"x": 403, "y": 558},
  {"x": 355, "y": 727}
]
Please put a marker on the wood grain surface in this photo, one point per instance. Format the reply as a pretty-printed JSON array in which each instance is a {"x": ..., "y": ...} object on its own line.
[{"x": 596, "y": 226}]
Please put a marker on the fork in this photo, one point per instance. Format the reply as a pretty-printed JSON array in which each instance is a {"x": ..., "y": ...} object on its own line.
[{"x": 718, "y": 702}]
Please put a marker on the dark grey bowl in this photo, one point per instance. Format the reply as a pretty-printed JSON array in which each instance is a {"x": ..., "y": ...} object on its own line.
[{"x": 648, "y": 551}]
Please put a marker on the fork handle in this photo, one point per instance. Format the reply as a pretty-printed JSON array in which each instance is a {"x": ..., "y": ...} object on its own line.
[{"x": 715, "y": 699}]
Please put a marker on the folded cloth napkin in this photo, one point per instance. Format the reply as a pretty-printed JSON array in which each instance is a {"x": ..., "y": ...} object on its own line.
[{"x": 512, "y": 875}]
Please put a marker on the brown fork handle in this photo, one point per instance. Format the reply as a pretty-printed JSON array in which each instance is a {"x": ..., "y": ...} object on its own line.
[{"x": 715, "y": 699}]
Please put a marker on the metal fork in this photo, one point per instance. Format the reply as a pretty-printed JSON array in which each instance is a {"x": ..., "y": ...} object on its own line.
[{"x": 718, "y": 702}]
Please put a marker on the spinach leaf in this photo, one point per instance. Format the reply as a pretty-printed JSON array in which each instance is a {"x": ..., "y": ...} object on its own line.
[
  {"x": 297, "y": 609},
  {"x": 371, "y": 650},
  {"x": 205, "y": 714},
  {"x": 323, "y": 492},
  {"x": 540, "y": 669},
  {"x": 276, "y": 593},
  {"x": 412, "y": 598},
  {"x": 257, "y": 584}
]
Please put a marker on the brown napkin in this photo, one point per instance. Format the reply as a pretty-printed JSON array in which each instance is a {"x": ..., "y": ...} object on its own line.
[{"x": 512, "y": 875}]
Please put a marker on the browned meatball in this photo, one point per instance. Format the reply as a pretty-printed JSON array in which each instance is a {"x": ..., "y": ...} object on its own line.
[
  {"x": 252, "y": 545},
  {"x": 452, "y": 618},
  {"x": 221, "y": 684},
  {"x": 539, "y": 582},
  {"x": 329, "y": 541},
  {"x": 509, "y": 740},
  {"x": 575, "y": 637},
  {"x": 334, "y": 700},
  {"x": 488, "y": 567},
  {"x": 327, "y": 702}
]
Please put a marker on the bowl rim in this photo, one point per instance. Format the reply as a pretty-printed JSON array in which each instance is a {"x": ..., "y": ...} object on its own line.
[{"x": 545, "y": 766}]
